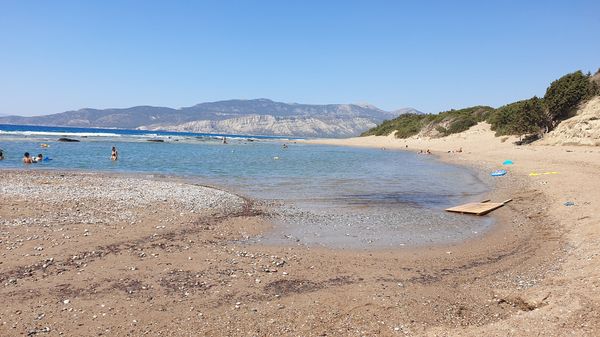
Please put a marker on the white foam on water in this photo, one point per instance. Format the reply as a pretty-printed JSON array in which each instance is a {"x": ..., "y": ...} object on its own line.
[{"x": 59, "y": 134}]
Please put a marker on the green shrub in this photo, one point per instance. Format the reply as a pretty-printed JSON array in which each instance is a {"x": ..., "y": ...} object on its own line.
[
  {"x": 460, "y": 124},
  {"x": 405, "y": 126},
  {"x": 411, "y": 124},
  {"x": 460, "y": 120},
  {"x": 442, "y": 130},
  {"x": 564, "y": 95},
  {"x": 519, "y": 118}
]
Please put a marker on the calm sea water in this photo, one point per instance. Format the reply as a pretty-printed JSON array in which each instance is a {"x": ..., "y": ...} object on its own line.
[{"x": 335, "y": 196}]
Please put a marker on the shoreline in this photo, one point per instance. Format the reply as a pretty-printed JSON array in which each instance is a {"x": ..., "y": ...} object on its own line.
[
  {"x": 526, "y": 269},
  {"x": 421, "y": 239},
  {"x": 560, "y": 174},
  {"x": 208, "y": 280},
  {"x": 266, "y": 205},
  {"x": 259, "y": 205}
]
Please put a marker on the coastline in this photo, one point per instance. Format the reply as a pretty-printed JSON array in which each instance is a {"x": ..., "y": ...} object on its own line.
[
  {"x": 196, "y": 273},
  {"x": 567, "y": 299}
]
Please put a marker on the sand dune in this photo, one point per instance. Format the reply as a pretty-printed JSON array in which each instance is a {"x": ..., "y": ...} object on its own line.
[{"x": 582, "y": 129}]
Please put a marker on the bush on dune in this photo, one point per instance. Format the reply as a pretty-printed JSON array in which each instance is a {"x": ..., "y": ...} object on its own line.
[
  {"x": 455, "y": 121},
  {"x": 461, "y": 120},
  {"x": 405, "y": 126},
  {"x": 519, "y": 118},
  {"x": 534, "y": 115},
  {"x": 564, "y": 95}
]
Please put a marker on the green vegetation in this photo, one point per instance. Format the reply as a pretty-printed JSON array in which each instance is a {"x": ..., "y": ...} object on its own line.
[
  {"x": 564, "y": 95},
  {"x": 525, "y": 117},
  {"x": 456, "y": 121},
  {"x": 445, "y": 123},
  {"x": 519, "y": 118},
  {"x": 406, "y": 125}
]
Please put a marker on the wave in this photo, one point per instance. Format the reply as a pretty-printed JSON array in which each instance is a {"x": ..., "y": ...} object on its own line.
[
  {"x": 59, "y": 134},
  {"x": 34, "y": 131},
  {"x": 47, "y": 135}
]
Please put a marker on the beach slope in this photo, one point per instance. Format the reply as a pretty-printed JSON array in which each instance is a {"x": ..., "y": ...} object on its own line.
[{"x": 567, "y": 299}]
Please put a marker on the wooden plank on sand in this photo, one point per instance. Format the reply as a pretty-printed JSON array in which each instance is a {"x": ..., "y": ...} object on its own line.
[{"x": 477, "y": 208}]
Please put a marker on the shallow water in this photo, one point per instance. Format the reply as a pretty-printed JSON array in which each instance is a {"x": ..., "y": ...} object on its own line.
[{"x": 333, "y": 196}]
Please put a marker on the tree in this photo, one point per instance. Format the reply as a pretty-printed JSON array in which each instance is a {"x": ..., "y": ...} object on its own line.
[
  {"x": 564, "y": 95},
  {"x": 531, "y": 117},
  {"x": 519, "y": 118}
]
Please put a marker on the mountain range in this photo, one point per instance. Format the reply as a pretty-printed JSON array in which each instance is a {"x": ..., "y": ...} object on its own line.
[{"x": 250, "y": 117}]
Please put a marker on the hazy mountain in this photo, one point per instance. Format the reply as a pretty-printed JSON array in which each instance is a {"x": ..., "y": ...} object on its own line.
[
  {"x": 403, "y": 111},
  {"x": 257, "y": 116}
]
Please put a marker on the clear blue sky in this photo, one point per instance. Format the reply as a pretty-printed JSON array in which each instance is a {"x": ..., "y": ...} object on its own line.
[{"x": 431, "y": 55}]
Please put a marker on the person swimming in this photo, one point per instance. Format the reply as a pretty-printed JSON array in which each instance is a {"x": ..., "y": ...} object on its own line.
[
  {"x": 39, "y": 158},
  {"x": 114, "y": 154},
  {"x": 1, "y": 154},
  {"x": 27, "y": 159}
]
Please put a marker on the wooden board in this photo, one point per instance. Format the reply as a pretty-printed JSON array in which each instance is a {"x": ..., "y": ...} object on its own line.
[{"x": 477, "y": 208}]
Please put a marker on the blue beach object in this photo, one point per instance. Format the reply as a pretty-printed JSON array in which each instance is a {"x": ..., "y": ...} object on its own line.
[
  {"x": 47, "y": 159},
  {"x": 498, "y": 173},
  {"x": 507, "y": 162}
]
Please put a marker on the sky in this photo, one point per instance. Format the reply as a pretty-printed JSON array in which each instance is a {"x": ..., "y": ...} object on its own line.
[{"x": 431, "y": 55}]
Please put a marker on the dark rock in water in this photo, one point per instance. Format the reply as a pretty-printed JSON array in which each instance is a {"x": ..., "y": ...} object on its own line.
[
  {"x": 156, "y": 140},
  {"x": 69, "y": 140}
]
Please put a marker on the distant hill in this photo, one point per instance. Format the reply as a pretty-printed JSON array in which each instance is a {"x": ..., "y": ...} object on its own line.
[{"x": 256, "y": 116}]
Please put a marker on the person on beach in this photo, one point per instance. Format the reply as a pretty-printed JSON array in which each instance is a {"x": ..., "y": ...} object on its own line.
[
  {"x": 115, "y": 154},
  {"x": 27, "y": 158}
]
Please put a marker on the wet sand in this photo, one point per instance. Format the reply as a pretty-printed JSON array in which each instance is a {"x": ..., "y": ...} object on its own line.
[{"x": 93, "y": 264}]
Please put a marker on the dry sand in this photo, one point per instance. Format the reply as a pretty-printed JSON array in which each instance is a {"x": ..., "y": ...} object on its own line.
[
  {"x": 571, "y": 288},
  {"x": 152, "y": 267}
]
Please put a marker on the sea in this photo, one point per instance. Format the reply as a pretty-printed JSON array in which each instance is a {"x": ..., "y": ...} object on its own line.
[{"x": 320, "y": 195}]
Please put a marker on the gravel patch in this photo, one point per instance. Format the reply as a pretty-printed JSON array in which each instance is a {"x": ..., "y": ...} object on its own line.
[{"x": 96, "y": 191}]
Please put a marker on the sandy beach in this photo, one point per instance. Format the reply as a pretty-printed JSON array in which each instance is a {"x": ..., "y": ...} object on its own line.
[
  {"x": 96, "y": 254},
  {"x": 568, "y": 296},
  {"x": 198, "y": 168}
]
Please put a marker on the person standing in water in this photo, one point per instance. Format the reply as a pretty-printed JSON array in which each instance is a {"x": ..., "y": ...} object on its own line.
[
  {"x": 27, "y": 159},
  {"x": 115, "y": 154}
]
